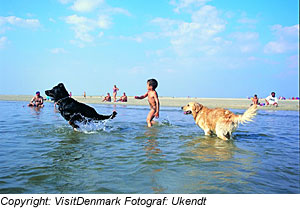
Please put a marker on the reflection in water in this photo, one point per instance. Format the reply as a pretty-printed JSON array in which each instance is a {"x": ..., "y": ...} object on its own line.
[
  {"x": 154, "y": 153},
  {"x": 36, "y": 111},
  {"x": 211, "y": 148},
  {"x": 218, "y": 153},
  {"x": 151, "y": 146}
]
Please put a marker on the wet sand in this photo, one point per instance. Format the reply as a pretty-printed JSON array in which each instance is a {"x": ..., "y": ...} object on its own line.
[{"x": 230, "y": 103}]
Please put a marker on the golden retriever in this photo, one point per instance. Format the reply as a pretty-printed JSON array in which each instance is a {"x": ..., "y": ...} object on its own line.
[{"x": 218, "y": 121}]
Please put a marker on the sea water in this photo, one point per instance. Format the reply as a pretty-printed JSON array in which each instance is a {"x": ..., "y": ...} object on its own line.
[{"x": 40, "y": 153}]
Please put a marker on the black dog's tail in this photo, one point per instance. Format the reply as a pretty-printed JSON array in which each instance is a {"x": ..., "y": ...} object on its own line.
[{"x": 103, "y": 117}]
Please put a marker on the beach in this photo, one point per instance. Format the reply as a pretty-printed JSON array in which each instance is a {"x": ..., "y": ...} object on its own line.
[{"x": 229, "y": 103}]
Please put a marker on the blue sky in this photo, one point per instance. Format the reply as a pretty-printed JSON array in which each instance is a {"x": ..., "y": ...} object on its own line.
[{"x": 197, "y": 48}]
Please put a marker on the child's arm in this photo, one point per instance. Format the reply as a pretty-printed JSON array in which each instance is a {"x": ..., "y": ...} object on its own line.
[
  {"x": 141, "y": 97},
  {"x": 156, "y": 114}
]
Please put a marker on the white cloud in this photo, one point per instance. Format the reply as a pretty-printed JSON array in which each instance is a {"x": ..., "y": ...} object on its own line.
[
  {"x": 3, "y": 41},
  {"x": 104, "y": 21},
  {"x": 52, "y": 20},
  {"x": 9, "y": 22},
  {"x": 275, "y": 47},
  {"x": 208, "y": 18},
  {"x": 83, "y": 27},
  {"x": 293, "y": 62},
  {"x": 287, "y": 39},
  {"x": 117, "y": 10},
  {"x": 30, "y": 15},
  {"x": 19, "y": 22},
  {"x": 100, "y": 34},
  {"x": 86, "y": 5},
  {"x": 199, "y": 35},
  {"x": 58, "y": 51},
  {"x": 168, "y": 26},
  {"x": 245, "y": 36},
  {"x": 77, "y": 43},
  {"x": 246, "y": 20},
  {"x": 185, "y": 4},
  {"x": 245, "y": 41},
  {"x": 65, "y": 1}
]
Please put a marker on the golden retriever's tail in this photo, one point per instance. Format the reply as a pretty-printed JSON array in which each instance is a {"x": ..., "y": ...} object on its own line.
[{"x": 248, "y": 115}]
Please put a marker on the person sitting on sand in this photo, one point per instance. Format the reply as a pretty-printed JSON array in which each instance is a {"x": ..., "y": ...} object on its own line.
[
  {"x": 37, "y": 100},
  {"x": 272, "y": 100},
  {"x": 255, "y": 100},
  {"x": 123, "y": 98},
  {"x": 107, "y": 98}
]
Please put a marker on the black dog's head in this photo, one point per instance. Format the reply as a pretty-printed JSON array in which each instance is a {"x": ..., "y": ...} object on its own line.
[{"x": 58, "y": 92}]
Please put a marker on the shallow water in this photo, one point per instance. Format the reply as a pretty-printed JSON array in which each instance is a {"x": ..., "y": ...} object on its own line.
[{"x": 40, "y": 153}]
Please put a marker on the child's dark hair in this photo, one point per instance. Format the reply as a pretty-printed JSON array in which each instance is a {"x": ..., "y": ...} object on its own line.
[{"x": 153, "y": 83}]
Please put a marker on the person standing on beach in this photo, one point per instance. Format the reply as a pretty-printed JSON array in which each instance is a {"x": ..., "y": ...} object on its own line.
[
  {"x": 152, "y": 99},
  {"x": 115, "y": 89},
  {"x": 84, "y": 94},
  {"x": 37, "y": 100}
]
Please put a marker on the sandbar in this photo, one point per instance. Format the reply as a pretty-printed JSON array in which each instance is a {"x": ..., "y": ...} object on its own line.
[{"x": 228, "y": 103}]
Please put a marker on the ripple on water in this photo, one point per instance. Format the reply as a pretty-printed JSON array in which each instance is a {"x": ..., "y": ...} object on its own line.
[{"x": 41, "y": 153}]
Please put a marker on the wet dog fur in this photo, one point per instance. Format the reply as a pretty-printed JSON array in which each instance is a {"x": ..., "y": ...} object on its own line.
[
  {"x": 72, "y": 110},
  {"x": 218, "y": 121}
]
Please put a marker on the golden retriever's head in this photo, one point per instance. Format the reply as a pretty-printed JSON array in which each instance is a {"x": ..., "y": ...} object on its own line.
[{"x": 192, "y": 108}]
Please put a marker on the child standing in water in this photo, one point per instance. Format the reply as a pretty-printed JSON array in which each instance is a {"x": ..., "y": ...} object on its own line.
[{"x": 152, "y": 99}]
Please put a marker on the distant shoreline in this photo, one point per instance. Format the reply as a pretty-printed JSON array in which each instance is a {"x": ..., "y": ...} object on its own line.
[{"x": 229, "y": 103}]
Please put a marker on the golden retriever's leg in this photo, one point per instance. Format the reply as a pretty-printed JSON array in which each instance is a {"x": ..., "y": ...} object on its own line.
[
  {"x": 207, "y": 132},
  {"x": 220, "y": 134},
  {"x": 222, "y": 137}
]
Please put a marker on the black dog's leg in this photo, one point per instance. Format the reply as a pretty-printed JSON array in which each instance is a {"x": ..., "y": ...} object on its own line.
[
  {"x": 73, "y": 125},
  {"x": 74, "y": 118}
]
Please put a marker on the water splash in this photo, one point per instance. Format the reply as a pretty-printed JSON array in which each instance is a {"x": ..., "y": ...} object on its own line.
[
  {"x": 164, "y": 122},
  {"x": 93, "y": 127}
]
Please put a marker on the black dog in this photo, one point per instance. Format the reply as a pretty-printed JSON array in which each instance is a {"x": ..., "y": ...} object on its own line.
[{"x": 72, "y": 110}]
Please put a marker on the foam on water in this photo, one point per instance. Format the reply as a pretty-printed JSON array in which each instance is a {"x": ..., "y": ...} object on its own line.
[
  {"x": 94, "y": 127},
  {"x": 162, "y": 122}
]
